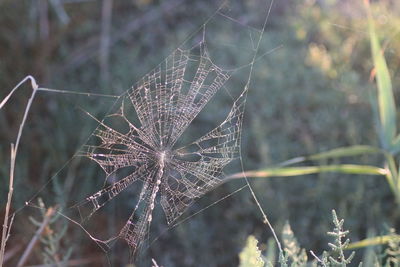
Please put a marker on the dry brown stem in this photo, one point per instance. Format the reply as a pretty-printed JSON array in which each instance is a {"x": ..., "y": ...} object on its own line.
[{"x": 14, "y": 149}]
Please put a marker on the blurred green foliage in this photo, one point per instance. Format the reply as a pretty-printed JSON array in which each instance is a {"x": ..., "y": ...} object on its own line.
[{"x": 311, "y": 95}]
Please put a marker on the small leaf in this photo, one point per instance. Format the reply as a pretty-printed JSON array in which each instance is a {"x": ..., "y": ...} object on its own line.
[
  {"x": 296, "y": 255},
  {"x": 251, "y": 255}
]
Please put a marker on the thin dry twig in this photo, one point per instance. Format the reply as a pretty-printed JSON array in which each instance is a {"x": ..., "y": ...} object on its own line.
[
  {"x": 8, "y": 220},
  {"x": 153, "y": 261},
  {"x": 14, "y": 149},
  {"x": 49, "y": 213},
  {"x": 316, "y": 258}
]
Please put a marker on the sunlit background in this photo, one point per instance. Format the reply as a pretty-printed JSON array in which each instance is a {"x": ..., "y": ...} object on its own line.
[{"x": 313, "y": 89}]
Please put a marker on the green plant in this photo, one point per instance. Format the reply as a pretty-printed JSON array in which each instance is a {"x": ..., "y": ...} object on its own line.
[
  {"x": 321, "y": 104},
  {"x": 251, "y": 255},
  {"x": 386, "y": 129},
  {"x": 295, "y": 256},
  {"x": 339, "y": 244},
  {"x": 51, "y": 249}
]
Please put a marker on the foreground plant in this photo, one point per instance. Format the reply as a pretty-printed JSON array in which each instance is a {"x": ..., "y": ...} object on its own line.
[{"x": 295, "y": 256}]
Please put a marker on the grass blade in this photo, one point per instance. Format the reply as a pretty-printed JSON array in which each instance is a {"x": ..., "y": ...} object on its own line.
[
  {"x": 386, "y": 103},
  {"x": 304, "y": 170},
  {"x": 396, "y": 145},
  {"x": 345, "y": 152},
  {"x": 373, "y": 241},
  {"x": 357, "y": 150}
]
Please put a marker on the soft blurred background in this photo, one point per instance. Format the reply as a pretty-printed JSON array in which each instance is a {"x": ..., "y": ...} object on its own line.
[{"x": 312, "y": 92}]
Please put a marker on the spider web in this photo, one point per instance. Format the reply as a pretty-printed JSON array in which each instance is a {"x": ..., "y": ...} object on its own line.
[
  {"x": 147, "y": 155},
  {"x": 166, "y": 100}
]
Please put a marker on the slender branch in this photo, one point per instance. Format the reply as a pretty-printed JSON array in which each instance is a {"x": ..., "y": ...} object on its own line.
[
  {"x": 14, "y": 150},
  {"x": 318, "y": 259},
  {"x": 29, "y": 77},
  {"x": 153, "y": 261},
  {"x": 9, "y": 226}
]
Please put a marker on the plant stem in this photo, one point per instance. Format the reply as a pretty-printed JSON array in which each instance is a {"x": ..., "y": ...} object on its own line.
[{"x": 14, "y": 150}]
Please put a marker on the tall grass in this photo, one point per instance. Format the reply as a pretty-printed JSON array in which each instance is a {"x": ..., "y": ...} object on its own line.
[
  {"x": 387, "y": 151},
  {"x": 386, "y": 127}
]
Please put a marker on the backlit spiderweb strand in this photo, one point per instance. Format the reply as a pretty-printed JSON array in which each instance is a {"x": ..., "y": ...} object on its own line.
[{"x": 166, "y": 100}]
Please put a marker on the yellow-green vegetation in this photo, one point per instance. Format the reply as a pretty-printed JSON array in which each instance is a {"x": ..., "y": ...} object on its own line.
[
  {"x": 251, "y": 255},
  {"x": 390, "y": 145},
  {"x": 322, "y": 110}
]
